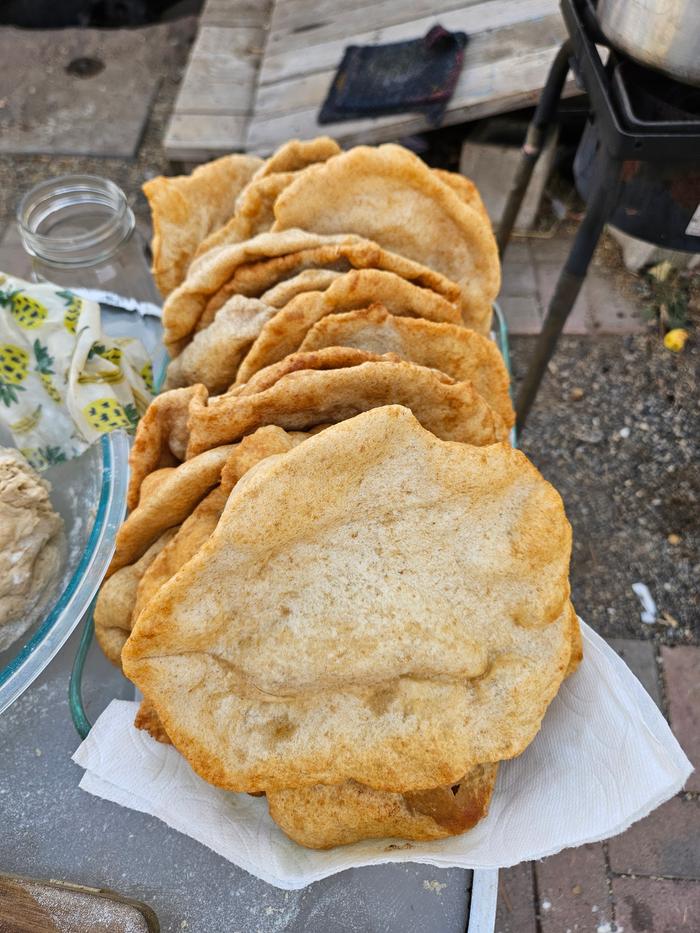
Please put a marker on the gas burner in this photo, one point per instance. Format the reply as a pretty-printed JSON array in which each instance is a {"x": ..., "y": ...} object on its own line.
[{"x": 638, "y": 165}]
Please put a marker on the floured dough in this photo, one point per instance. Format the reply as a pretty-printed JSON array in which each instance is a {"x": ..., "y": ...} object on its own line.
[{"x": 30, "y": 544}]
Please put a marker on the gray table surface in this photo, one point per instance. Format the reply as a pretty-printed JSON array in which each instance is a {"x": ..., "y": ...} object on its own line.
[{"x": 51, "y": 829}]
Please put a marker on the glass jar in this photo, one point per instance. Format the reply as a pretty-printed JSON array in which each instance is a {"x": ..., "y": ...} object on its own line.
[{"x": 81, "y": 234}]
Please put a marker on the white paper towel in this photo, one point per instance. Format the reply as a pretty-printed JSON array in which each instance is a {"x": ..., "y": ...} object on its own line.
[{"x": 604, "y": 758}]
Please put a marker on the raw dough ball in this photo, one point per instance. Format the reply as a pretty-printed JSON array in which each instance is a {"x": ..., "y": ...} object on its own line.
[{"x": 30, "y": 544}]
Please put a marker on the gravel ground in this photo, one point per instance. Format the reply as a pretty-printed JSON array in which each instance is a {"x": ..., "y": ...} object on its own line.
[
  {"x": 626, "y": 460},
  {"x": 625, "y": 456}
]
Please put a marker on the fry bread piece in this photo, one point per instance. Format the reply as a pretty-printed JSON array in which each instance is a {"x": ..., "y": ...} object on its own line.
[
  {"x": 183, "y": 544},
  {"x": 302, "y": 399},
  {"x": 310, "y": 280},
  {"x": 296, "y": 154},
  {"x": 390, "y": 196},
  {"x": 184, "y": 307},
  {"x": 147, "y": 718},
  {"x": 161, "y": 438},
  {"x": 117, "y": 597},
  {"x": 254, "y": 212},
  {"x": 457, "y": 351},
  {"x": 169, "y": 503},
  {"x": 322, "y": 816},
  {"x": 254, "y": 207},
  {"x": 265, "y": 442},
  {"x": 465, "y": 189},
  {"x": 215, "y": 353},
  {"x": 285, "y": 332},
  {"x": 353, "y": 253},
  {"x": 375, "y": 605},
  {"x": 326, "y": 358},
  {"x": 186, "y": 208},
  {"x": 194, "y": 532}
]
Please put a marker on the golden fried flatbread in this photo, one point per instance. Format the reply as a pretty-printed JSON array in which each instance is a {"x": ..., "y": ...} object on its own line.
[
  {"x": 310, "y": 280},
  {"x": 296, "y": 154},
  {"x": 169, "y": 503},
  {"x": 115, "y": 602},
  {"x": 186, "y": 208},
  {"x": 302, "y": 399},
  {"x": 390, "y": 196},
  {"x": 326, "y": 358},
  {"x": 182, "y": 545},
  {"x": 147, "y": 718},
  {"x": 457, "y": 351},
  {"x": 254, "y": 207},
  {"x": 254, "y": 212},
  {"x": 285, "y": 332},
  {"x": 321, "y": 816},
  {"x": 375, "y": 605},
  {"x": 184, "y": 307},
  {"x": 465, "y": 189},
  {"x": 254, "y": 278},
  {"x": 161, "y": 438},
  {"x": 184, "y": 542},
  {"x": 215, "y": 353}
]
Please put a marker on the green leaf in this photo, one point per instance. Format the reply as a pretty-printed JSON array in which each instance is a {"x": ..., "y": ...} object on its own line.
[
  {"x": 44, "y": 360},
  {"x": 52, "y": 454},
  {"x": 131, "y": 414},
  {"x": 8, "y": 393},
  {"x": 97, "y": 349},
  {"x": 67, "y": 295}
]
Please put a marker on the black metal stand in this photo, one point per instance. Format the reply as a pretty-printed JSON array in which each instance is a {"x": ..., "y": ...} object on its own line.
[{"x": 617, "y": 143}]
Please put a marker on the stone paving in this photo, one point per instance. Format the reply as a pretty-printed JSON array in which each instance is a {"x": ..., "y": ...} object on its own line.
[
  {"x": 647, "y": 879},
  {"x": 607, "y": 304}
]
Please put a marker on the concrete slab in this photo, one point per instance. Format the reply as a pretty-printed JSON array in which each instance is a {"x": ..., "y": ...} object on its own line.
[
  {"x": 493, "y": 169},
  {"x": 80, "y": 91}
]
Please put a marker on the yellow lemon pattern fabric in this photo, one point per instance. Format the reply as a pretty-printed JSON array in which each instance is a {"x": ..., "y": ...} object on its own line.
[{"x": 63, "y": 381}]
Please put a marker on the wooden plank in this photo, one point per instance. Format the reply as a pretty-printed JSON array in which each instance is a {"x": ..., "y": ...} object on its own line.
[
  {"x": 314, "y": 30},
  {"x": 222, "y": 71},
  {"x": 197, "y": 137},
  {"x": 496, "y": 47},
  {"x": 251, "y": 13},
  {"x": 519, "y": 82},
  {"x": 474, "y": 19}
]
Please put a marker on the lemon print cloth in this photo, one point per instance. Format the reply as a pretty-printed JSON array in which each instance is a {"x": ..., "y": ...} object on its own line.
[{"x": 63, "y": 382}]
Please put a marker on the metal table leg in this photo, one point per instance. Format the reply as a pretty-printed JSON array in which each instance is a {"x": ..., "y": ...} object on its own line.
[
  {"x": 600, "y": 206},
  {"x": 534, "y": 142}
]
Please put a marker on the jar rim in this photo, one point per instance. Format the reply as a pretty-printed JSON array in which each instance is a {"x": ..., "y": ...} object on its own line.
[{"x": 52, "y": 195}]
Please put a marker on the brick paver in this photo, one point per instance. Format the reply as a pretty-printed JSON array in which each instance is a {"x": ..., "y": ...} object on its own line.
[
  {"x": 579, "y": 321},
  {"x": 640, "y": 657},
  {"x": 573, "y": 891},
  {"x": 515, "y": 912},
  {"x": 666, "y": 843},
  {"x": 681, "y": 671},
  {"x": 659, "y": 906}
]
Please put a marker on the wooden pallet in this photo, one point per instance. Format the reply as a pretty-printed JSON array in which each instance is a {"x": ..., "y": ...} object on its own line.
[{"x": 259, "y": 74}]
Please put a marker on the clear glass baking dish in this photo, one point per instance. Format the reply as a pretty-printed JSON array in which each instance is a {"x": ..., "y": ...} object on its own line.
[{"x": 90, "y": 494}]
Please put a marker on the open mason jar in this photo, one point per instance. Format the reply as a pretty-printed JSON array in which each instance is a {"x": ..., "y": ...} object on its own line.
[{"x": 80, "y": 233}]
